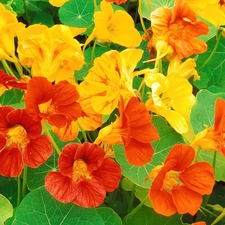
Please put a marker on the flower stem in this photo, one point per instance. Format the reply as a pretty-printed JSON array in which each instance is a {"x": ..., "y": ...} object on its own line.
[
  {"x": 18, "y": 190},
  {"x": 93, "y": 53},
  {"x": 51, "y": 138},
  {"x": 213, "y": 51},
  {"x": 128, "y": 216},
  {"x": 130, "y": 205},
  {"x": 7, "y": 68},
  {"x": 83, "y": 132},
  {"x": 24, "y": 187},
  {"x": 141, "y": 19}
]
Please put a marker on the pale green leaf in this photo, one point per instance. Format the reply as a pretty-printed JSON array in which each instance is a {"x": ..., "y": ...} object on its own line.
[{"x": 6, "y": 209}]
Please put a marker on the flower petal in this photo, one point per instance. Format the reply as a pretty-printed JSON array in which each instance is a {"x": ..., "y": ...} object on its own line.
[
  {"x": 186, "y": 200},
  {"x": 183, "y": 154},
  {"x": 138, "y": 153},
  {"x": 62, "y": 188},
  {"x": 162, "y": 202},
  {"x": 37, "y": 151},
  {"x": 4, "y": 123},
  {"x": 11, "y": 162},
  {"x": 108, "y": 174},
  {"x": 90, "y": 193},
  {"x": 199, "y": 177}
]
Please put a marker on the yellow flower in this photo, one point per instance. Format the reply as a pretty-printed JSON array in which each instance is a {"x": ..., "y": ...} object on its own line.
[
  {"x": 171, "y": 97},
  {"x": 211, "y": 10},
  {"x": 110, "y": 77},
  {"x": 51, "y": 52},
  {"x": 117, "y": 27},
  {"x": 57, "y": 3},
  {"x": 186, "y": 69},
  {"x": 9, "y": 28}
]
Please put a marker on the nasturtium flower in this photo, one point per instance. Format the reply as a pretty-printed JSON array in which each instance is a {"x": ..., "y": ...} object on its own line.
[
  {"x": 55, "y": 103},
  {"x": 117, "y": 27},
  {"x": 212, "y": 138},
  {"x": 199, "y": 223},
  {"x": 51, "y": 52},
  {"x": 186, "y": 69},
  {"x": 9, "y": 29},
  {"x": 180, "y": 28},
  {"x": 7, "y": 82},
  {"x": 171, "y": 97},
  {"x": 21, "y": 142},
  {"x": 110, "y": 77},
  {"x": 85, "y": 175},
  {"x": 118, "y": 2},
  {"x": 57, "y": 3},
  {"x": 211, "y": 10},
  {"x": 178, "y": 185},
  {"x": 133, "y": 129}
]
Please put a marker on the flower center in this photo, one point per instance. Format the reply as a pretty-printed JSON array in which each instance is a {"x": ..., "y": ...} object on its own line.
[
  {"x": 47, "y": 108},
  {"x": 221, "y": 2},
  {"x": 80, "y": 170},
  {"x": 17, "y": 136},
  {"x": 176, "y": 29},
  {"x": 171, "y": 180}
]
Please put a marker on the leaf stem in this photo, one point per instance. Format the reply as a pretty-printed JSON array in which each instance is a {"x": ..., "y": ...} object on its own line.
[
  {"x": 134, "y": 211},
  {"x": 51, "y": 138},
  {"x": 18, "y": 190},
  {"x": 24, "y": 187},
  {"x": 213, "y": 51}
]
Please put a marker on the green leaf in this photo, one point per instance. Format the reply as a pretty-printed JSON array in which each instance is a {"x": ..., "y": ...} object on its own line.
[
  {"x": 139, "y": 192},
  {"x": 168, "y": 138},
  {"x": 39, "y": 207},
  {"x": 203, "y": 114},
  {"x": 11, "y": 97},
  {"x": 77, "y": 13},
  {"x": 109, "y": 216},
  {"x": 43, "y": 18},
  {"x": 6, "y": 209},
  {"x": 162, "y": 3},
  {"x": 148, "y": 216},
  {"x": 8, "y": 188},
  {"x": 216, "y": 64}
]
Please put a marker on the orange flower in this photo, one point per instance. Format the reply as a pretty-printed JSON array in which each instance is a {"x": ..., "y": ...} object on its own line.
[
  {"x": 133, "y": 129},
  {"x": 84, "y": 176},
  {"x": 56, "y": 103},
  {"x": 21, "y": 142},
  {"x": 117, "y": 27},
  {"x": 178, "y": 186},
  {"x": 7, "y": 82},
  {"x": 180, "y": 28},
  {"x": 118, "y": 2},
  {"x": 213, "y": 138},
  {"x": 199, "y": 223},
  {"x": 111, "y": 77}
]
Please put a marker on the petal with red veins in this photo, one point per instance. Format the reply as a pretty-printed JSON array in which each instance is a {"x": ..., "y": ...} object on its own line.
[
  {"x": 108, "y": 174},
  {"x": 11, "y": 162},
  {"x": 62, "y": 188},
  {"x": 91, "y": 193},
  {"x": 37, "y": 151}
]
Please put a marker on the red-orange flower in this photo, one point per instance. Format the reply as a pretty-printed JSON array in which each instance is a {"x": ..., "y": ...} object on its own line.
[
  {"x": 179, "y": 28},
  {"x": 213, "y": 138},
  {"x": 178, "y": 186},
  {"x": 118, "y": 2},
  {"x": 133, "y": 129},
  {"x": 21, "y": 142},
  {"x": 56, "y": 103},
  {"x": 84, "y": 175},
  {"x": 7, "y": 82}
]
